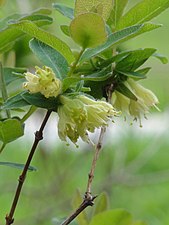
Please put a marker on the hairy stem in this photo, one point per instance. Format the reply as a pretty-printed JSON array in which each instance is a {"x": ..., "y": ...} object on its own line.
[{"x": 38, "y": 137}]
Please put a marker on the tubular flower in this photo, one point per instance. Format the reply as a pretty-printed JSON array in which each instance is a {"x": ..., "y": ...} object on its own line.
[
  {"x": 145, "y": 100},
  {"x": 81, "y": 114},
  {"x": 43, "y": 81}
]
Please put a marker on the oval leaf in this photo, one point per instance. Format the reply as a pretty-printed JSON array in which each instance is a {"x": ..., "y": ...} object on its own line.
[
  {"x": 10, "y": 130},
  {"x": 88, "y": 30},
  {"x": 50, "y": 57}
]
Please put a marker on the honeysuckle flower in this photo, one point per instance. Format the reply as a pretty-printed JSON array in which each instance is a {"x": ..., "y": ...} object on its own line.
[
  {"x": 145, "y": 100},
  {"x": 80, "y": 114},
  {"x": 144, "y": 94},
  {"x": 43, "y": 81},
  {"x": 120, "y": 102}
]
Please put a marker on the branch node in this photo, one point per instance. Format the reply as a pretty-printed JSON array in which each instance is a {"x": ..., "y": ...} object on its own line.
[
  {"x": 9, "y": 220},
  {"x": 21, "y": 179},
  {"x": 38, "y": 135}
]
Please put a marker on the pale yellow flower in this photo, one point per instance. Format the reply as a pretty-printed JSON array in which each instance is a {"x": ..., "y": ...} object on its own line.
[
  {"x": 43, "y": 81},
  {"x": 80, "y": 114},
  {"x": 136, "y": 108}
]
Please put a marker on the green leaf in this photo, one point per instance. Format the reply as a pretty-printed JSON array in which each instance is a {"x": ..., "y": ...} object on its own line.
[
  {"x": 101, "y": 204},
  {"x": 10, "y": 130},
  {"x": 112, "y": 217},
  {"x": 34, "y": 31},
  {"x": 144, "y": 71},
  {"x": 10, "y": 35},
  {"x": 50, "y": 57},
  {"x": 125, "y": 91},
  {"x": 162, "y": 58},
  {"x": 97, "y": 76},
  {"x": 117, "y": 12},
  {"x": 17, "y": 166},
  {"x": 119, "y": 37},
  {"x": 15, "y": 102},
  {"x": 12, "y": 74},
  {"x": 40, "y": 101},
  {"x": 113, "y": 59},
  {"x": 77, "y": 200},
  {"x": 65, "y": 30},
  {"x": 135, "y": 59},
  {"x": 135, "y": 75},
  {"x": 88, "y": 30},
  {"x": 102, "y": 7},
  {"x": 143, "y": 12},
  {"x": 64, "y": 10}
]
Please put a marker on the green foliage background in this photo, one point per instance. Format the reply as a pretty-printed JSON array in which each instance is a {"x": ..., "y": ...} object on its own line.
[{"x": 140, "y": 185}]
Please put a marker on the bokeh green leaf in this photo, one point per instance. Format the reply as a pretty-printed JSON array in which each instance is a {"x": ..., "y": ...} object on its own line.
[{"x": 112, "y": 217}]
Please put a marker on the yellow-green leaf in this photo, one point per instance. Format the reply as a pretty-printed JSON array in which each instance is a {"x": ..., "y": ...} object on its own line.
[
  {"x": 102, "y": 7},
  {"x": 88, "y": 30}
]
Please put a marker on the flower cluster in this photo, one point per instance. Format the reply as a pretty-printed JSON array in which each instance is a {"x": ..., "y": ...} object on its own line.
[
  {"x": 43, "y": 81},
  {"x": 80, "y": 114},
  {"x": 145, "y": 100}
]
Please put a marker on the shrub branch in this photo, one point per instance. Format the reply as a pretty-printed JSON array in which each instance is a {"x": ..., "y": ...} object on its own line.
[{"x": 38, "y": 137}]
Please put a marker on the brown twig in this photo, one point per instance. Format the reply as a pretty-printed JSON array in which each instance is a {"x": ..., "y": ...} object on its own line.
[
  {"x": 86, "y": 202},
  {"x": 38, "y": 137},
  {"x": 88, "y": 198},
  {"x": 95, "y": 158}
]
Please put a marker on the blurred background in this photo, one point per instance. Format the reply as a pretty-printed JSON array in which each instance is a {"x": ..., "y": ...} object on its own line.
[{"x": 133, "y": 168}]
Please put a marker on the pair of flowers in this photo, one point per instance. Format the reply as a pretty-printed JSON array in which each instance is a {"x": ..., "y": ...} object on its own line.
[{"x": 79, "y": 114}]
